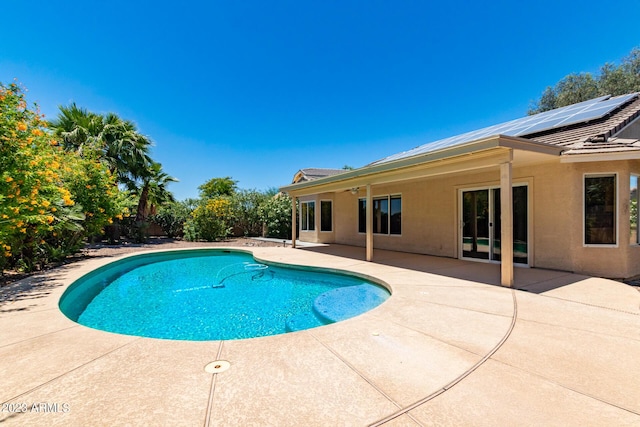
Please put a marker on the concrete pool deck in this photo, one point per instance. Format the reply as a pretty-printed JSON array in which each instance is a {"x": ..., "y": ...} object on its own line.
[{"x": 450, "y": 347}]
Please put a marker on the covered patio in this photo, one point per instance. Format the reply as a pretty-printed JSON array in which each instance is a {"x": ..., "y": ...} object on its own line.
[{"x": 496, "y": 153}]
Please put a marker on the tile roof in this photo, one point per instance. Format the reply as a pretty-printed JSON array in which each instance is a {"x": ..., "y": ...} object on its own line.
[
  {"x": 309, "y": 174},
  {"x": 596, "y": 136}
]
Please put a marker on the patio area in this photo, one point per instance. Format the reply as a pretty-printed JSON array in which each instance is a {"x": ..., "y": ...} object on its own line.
[{"x": 450, "y": 347}]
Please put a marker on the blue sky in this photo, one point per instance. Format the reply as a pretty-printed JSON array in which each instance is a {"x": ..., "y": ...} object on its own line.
[{"x": 257, "y": 90}]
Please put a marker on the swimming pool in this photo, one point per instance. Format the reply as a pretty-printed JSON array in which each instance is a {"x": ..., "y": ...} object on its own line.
[{"x": 213, "y": 294}]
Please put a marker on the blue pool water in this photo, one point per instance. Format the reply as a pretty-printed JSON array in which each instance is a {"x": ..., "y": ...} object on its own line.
[{"x": 212, "y": 295}]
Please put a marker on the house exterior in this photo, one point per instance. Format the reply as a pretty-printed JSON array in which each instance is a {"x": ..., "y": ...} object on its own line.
[{"x": 556, "y": 190}]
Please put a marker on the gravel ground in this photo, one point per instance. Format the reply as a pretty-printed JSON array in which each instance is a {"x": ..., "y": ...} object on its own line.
[{"x": 105, "y": 250}]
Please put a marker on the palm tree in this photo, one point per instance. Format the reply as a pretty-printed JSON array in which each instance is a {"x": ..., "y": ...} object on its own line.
[
  {"x": 116, "y": 140},
  {"x": 118, "y": 143},
  {"x": 153, "y": 190},
  {"x": 77, "y": 128}
]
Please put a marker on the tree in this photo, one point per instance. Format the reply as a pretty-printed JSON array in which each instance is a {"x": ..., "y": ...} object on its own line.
[
  {"x": 121, "y": 146},
  {"x": 217, "y": 187},
  {"x": 612, "y": 80},
  {"x": 50, "y": 199},
  {"x": 153, "y": 190},
  {"x": 576, "y": 88},
  {"x": 209, "y": 221},
  {"x": 172, "y": 217},
  {"x": 244, "y": 207},
  {"x": 271, "y": 191},
  {"x": 275, "y": 212},
  {"x": 77, "y": 128},
  {"x": 125, "y": 152}
]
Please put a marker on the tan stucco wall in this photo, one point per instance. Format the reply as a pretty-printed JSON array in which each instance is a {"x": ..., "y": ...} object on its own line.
[
  {"x": 620, "y": 261},
  {"x": 431, "y": 217},
  {"x": 552, "y": 214},
  {"x": 317, "y": 236}
]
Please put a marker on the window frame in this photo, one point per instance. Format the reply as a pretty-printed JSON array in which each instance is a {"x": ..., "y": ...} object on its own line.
[
  {"x": 362, "y": 202},
  {"x": 377, "y": 211},
  {"x": 307, "y": 216},
  {"x": 391, "y": 197},
  {"x": 616, "y": 208},
  {"x": 330, "y": 202},
  {"x": 362, "y": 226}
]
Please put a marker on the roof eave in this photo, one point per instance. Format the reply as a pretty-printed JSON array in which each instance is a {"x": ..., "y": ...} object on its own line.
[
  {"x": 605, "y": 156},
  {"x": 482, "y": 144}
]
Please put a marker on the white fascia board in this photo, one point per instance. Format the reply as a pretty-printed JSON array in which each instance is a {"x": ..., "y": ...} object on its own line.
[{"x": 600, "y": 157}]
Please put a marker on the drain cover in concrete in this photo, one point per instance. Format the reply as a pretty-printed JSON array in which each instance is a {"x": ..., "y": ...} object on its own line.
[{"x": 217, "y": 366}]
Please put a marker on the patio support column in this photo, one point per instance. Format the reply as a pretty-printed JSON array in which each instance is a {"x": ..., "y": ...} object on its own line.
[
  {"x": 369, "y": 222},
  {"x": 294, "y": 216},
  {"x": 506, "y": 224}
]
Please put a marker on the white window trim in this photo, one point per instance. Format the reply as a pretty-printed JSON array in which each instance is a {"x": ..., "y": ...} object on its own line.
[
  {"x": 617, "y": 209},
  {"x": 332, "y": 222},
  {"x": 637, "y": 242},
  {"x": 307, "y": 230}
]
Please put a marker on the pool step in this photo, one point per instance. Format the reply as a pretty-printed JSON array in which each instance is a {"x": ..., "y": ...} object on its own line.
[
  {"x": 343, "y": 303},
  {"x": 302, "y": 321},
  {"x": 336, "y": 305}
]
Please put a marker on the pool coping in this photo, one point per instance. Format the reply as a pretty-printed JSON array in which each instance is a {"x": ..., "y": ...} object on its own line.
[{"x": 444, "y": 349}]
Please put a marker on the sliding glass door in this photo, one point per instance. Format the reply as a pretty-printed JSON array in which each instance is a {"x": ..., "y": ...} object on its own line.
[
  {"x": 476, "y": 233},
  {"x": 481, "y": 228}
]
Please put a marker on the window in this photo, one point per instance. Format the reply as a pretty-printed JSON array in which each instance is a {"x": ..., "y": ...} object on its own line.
[
  {"x": 600, "y": 210},
  {"x": 387, "y": 215},
  {"x": 381, "y": 216},
  {"x": 307, "y": 216},
  {"x": 395, "y": 220},
  {"x": 326, "y": 215},
  {"x": 633, "y": 210},
  {"x": 362, "y": 215}
]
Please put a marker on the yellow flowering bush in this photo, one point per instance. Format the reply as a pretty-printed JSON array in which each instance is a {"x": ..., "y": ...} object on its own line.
[
  {"x": 93, "y": 187},
  {"x": 43, "y": 189},
  {"x": 210, "y": 221}
]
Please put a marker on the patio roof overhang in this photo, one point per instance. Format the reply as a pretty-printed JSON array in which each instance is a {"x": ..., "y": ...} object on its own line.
[
  {"x": 495, "y": 152},
  {"x": 483, "y": 153}
]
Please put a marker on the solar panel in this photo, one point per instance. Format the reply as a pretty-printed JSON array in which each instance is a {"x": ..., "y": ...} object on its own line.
[{"x": 571, "y": 114}]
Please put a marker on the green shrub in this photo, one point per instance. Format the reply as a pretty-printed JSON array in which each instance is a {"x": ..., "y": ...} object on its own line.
[
  {"x": 210, "y": 221},
  {"x": 50, "y": 199},
  {"x": 245, "y": 206},
  {"x": 275, "y": 212},
  {"x": 172, "y": 218}
]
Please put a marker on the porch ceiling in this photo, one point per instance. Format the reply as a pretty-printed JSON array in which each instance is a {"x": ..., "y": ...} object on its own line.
[{"x": 481, "y": 154}]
